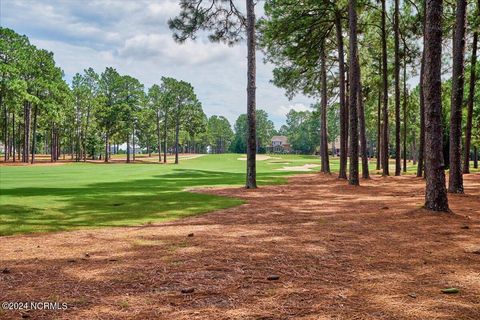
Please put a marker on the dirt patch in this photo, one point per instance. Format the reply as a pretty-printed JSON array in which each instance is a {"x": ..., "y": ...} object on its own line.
[
  {"x": 305, "y": 167},
  {"x": 36, "y": 163},
  {"x": 340, "y": 252},
  {"x": 44, "y": 160}
]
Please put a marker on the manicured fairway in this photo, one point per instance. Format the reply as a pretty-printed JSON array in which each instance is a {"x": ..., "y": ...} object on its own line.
[
  {"x": 79, "y": 195},
  {"x": 83, "y": 195}
]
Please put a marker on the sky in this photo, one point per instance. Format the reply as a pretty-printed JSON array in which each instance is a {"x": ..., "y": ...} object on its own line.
[{"x": 133, "y": 37}]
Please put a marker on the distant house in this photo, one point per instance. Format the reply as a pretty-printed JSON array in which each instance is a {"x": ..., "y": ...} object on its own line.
[
  {"x": 279, "y": 144},
  {"x": 334, "y": 147}
]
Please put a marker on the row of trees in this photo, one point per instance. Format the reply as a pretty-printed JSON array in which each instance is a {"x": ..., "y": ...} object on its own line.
[
  {"x": 41, "y": 113},
  {"x": 307, "y": 42},
  {"x": 299, "y": 39},
  {"x": 101, "y": 111}
]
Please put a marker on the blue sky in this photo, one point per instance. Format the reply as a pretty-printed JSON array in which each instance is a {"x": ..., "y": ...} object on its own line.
[{"x": 133, "y": 37}]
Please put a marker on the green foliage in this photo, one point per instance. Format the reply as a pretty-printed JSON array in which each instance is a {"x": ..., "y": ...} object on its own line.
[
  {"x": 264, "y": 129},
  {"x": 219, "y": 134},
  {"x": 221, "y": 19},
  {"x": 106, "y": 108},
  {"x": 303, "y": 131}
]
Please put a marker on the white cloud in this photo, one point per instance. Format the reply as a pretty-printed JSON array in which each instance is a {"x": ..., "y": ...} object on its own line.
[
  {"x": 133, "y": 37},
  {"x": 163, "y": 47},
  {"x": 284, "y": 109}
]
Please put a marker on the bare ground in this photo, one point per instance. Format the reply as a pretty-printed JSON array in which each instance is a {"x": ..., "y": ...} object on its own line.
[
  {"x": 341, "y": 252},
  {"x": 44, "y": 160}
]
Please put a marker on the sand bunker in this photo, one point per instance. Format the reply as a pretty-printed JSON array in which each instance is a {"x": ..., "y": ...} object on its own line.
[
  {"x": 260, "y": 157},
  {"x": 305, "y": 167}
]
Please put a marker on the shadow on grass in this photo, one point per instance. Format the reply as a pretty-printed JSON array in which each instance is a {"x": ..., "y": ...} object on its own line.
[{"x": 124, "y": 203}]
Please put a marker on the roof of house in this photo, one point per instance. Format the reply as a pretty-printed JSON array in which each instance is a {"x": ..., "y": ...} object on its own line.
[{"x": 282, "y": 139}]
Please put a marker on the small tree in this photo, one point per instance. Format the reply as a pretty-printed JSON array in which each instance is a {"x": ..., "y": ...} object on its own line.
[
  {"x": 182, "y": 96},
  {"x": 226, "y": 23}
]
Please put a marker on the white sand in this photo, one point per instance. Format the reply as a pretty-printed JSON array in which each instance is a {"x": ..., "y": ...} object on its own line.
[
  {"x": 259, "y": 157},
  {"x": 305, "y": 167}
]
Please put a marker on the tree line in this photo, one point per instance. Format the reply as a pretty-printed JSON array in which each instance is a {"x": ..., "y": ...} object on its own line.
[
  {"x": 355, "y": 57},
  {"x": 359, "y": 57},
  {"x": 97, "y": 113}
]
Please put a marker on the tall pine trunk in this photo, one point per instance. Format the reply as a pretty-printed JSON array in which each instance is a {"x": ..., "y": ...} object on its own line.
[
  {"x": 471, "y": 93},
  {"x": 353, "y": 94},
  {"x": 421, "y": 147},
  {"x": 128, "y": 148},
  {"x": 85, "y": 135},
  {"x": 159, "y": 139},
  {"x": 323, "y": 112},
  {"x": 177, "y": 131},
  {"x": 435, "y": 191},
  {"x": 347, "y": 108},
  {"x": 34, "y": 135},
  {"x": 385, "y": 154},
  {"x": 165, "y": 127},
  {"x": 475, "y": 157},
  {"x": 398, "y": 167},
  {"x": 251, "y": 181},
  {"x": 5, "y": 130},
  {"x": 361, "y": 122},
  {"x": 343, "y": 111},
  {"x": 106, "y": 146},
  {"x": 414, "y": 149},
  {"x": 405, "y": 99},
  {"x": 379, "y": 127},
  {"x": 133, "y": 143},
  {"x": 455, "y": 181},
  {"x": 26, "y": 132},
  {"x": 14, "y": 137}
]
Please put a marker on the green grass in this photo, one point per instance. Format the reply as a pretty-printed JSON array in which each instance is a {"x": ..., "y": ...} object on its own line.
[{"x": 86, "y": 195}]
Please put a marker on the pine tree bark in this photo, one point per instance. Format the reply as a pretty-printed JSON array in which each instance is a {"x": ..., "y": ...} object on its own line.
[
  {"x": 435, "y": 191},
  {"x": 379, "y": 128},
  {"x": 414, "y": 149},
  {"x": 106, "y": 146},
  {"x": 34, "y": 135},
  {"x": 405, "y": 99},
  {"x": 475, "y": 157},
  {"x": 5, "y": 130},
  {"x": 18, "y": 139},
  {"x": 361, "y": 122},
  {"x": 421, "y": 146},
  {"x": 347, "y": 108},
  {"x": 85, "y": 135},
  {"x": 251, "y": 181},
  {"x": 159, "y": 139},
  {"x": 165, "y": 127},
  {"x": 52, "y": 143},
  {"x": 26, "y": 132},
  {"x": 177, "y": 131},
  {"x": 398, "y": 167},
  {"x": 128, "y": 148},
  {"x": 14, "y": 137},
  {"x": 455, "y": 181},
  {"x": 385, "y": 143},
  {"x": 324, "y": 138},
  {"x": 343, "y": 111},
  {"x": 471, "y": 93},
  {"x": 133, "y": 143},
  {"x": 353, "y": 94}
]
